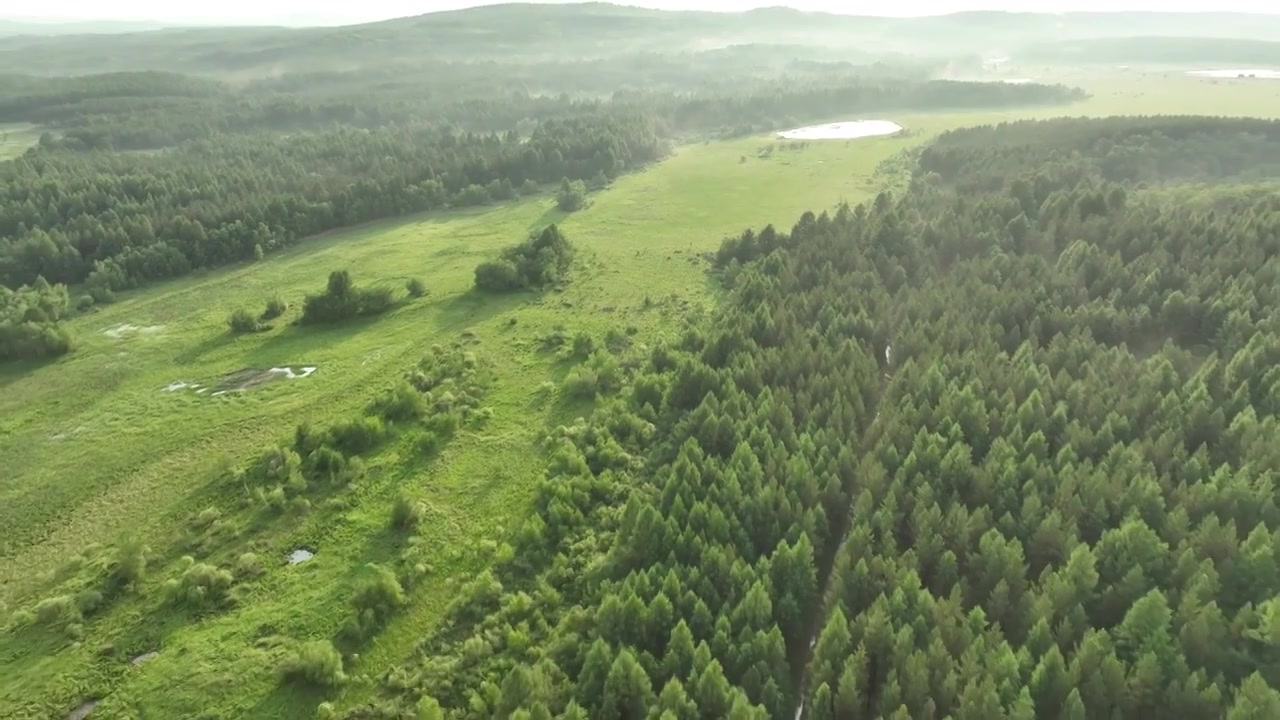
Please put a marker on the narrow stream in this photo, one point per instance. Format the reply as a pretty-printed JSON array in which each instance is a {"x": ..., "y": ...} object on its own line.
[{"x": 828, "y": 599}]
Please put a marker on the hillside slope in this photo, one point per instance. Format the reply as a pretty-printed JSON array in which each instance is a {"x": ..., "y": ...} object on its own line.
[{"x": 511, "y": 32}]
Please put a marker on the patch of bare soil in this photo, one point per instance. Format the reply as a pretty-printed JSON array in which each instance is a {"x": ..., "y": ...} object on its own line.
[{"x": 250, "y": 378}]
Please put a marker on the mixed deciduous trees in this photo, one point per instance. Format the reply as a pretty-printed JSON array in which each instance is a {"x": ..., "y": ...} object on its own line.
[
  {"x": 30, "y": 321},
  {"x": 540, "y": 261}
]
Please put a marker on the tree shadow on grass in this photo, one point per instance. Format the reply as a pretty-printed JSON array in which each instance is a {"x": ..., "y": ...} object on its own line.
[
  {"x": 287, "y": 700},
  {"x": 554, "y": 215},
  {"x": 204, "y": 347},
  {"x": 473, "y": 307}
]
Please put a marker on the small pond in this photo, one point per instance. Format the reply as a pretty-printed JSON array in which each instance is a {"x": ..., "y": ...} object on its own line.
[{"x": 300, "y": 555}]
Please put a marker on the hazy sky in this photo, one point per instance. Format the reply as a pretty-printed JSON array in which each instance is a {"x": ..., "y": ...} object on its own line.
[{"x": 247, "y": 11}]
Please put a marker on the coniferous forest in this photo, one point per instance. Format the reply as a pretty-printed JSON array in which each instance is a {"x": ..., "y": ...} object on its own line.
[
  {"x": 424, "y": 369},
  {"x": 1000, "y": 446},
  {"x": 153, "y": 175}
]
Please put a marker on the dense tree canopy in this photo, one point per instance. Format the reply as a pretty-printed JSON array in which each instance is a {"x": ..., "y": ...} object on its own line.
[
  {"x": 228, "y": 172},
  {"x": 29, "y": 321},
  {"x": 956, "y": 454}
]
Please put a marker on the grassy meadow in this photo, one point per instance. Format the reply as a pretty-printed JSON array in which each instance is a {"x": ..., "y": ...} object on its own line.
[
  {"x": 97, "y": 450},
  {"x": 15, "y": 138}
]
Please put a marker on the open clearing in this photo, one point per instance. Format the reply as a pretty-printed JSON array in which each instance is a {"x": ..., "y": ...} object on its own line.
[
  {"x": 16, "y": 138},
  {"x": 95, "y": 452}
]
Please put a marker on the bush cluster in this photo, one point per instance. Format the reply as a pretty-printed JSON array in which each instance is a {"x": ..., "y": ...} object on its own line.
[
  {"x": 30, "y": 326},
  {"x": 342, "y": 300},
  {"x": 540, "y": 261}
]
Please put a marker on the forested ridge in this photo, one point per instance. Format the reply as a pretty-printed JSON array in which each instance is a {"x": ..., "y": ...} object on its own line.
[
  {"x": 523, "y": 33},
  {"x": 75, "y": 211},
  {"x": 1040, "y": 416}
]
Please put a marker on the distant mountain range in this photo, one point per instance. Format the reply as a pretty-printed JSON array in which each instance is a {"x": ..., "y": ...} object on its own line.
[
  {"x": 526, "y": 31},
  {"x": 41, "y": 27}
]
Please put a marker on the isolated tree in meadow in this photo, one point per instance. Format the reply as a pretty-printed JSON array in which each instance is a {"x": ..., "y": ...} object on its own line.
[{"x": 572, "y": 195}]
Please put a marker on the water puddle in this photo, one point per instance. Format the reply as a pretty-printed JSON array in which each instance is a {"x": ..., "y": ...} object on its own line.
[
  {"x": 843, "y": 130},
  {"x": 299, "y": 556}
]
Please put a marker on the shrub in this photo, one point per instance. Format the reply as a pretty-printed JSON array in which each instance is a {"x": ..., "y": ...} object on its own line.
[
  {"x": 497, "y": 276},
  {"x": 199, "y": 585},
  {"x": 617, "y": 341},
  {"x": 30, "y": 318},
  {"x": 341, "y": 300},
  {"x": 257, "y": 252},
  {"x": 416, "y": 288},
  {"x": 21, "y": 618},
  {"x": 583, "y": 345},
  {"x": 242, "y": 321},
  {"x": 374, "y": 301},
  {"x": 248, "y": 565},
  {"x": 129, "y": 565},
  {"x": 88, "y": 600},
  {"x": 582, "y": 382},
  {"x": 403, "y": 402},
  {"x": 376, "y": 599},
  {"x": 406, "y": 512},
  {"x": 315, "y": 663},
  {"x": 356, "y": 436},
  {"x": 276, "y": 307},
  {"x": 327, "y": 461},
  {"x": 472, "y": 195},
  {"x": 57, "y": 611},
  {"x": 541, "y": 260},
  {"x": 529, "y": 187},
  {"x": 102, "y": 295},
  {"x": 84, "y": 303},
  {"x": 572, "y": 195},
  {"x": 306, "y": 439}
]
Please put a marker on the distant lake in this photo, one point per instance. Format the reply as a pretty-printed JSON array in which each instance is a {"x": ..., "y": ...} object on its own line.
[{"x": 843, "y": 130}]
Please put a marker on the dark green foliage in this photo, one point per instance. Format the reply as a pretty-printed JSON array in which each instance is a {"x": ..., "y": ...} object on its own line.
[
  {"x": 57, "y": 611},
  {"x": 342, "y": 300},
  {"x": 378, "y": 595},
  {"x": 572, "y": 195},
  {"x": 357, "y": 435},
  {"x": 129, "y": 565},
  {"x": 199, "y": 586},
  {"x": 242, "y": 321},
  {"x": 316, "y": 664},
  {"x": 992, "y": 467},
  {"x": 30, "y": 321},
  {"x": 416, "y": 288},
  {"x": 406, "y": 512},
  {"x": 276, "y": 307},
  {"x": 263, "y": 190},
  {"x": 404, "y": 402},
  {"x": 536, "y": 263}
]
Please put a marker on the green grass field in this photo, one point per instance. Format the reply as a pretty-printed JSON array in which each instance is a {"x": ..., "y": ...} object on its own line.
[
  {"x": 16, "y": 138},
  {"x": 97, "y": 450}
]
